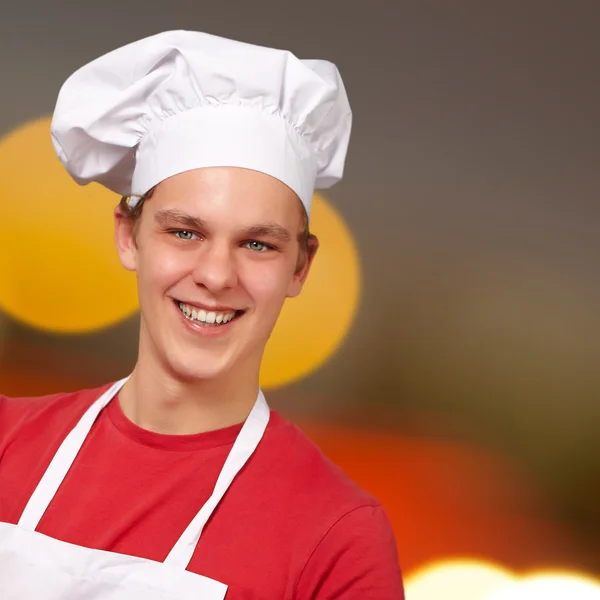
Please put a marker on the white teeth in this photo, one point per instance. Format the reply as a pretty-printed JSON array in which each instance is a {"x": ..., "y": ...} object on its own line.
[{"x": 210, "y": 318}]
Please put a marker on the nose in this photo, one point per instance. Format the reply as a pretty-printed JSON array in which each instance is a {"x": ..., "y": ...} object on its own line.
[{"x": 215, "y": 268}]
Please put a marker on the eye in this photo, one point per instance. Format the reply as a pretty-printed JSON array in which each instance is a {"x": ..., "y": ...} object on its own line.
[
  {"x": 184, "y": 234},
  {"x": 256, "y": 246}
]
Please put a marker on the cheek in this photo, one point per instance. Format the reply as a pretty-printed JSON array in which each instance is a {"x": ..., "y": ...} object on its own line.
[
  {"x": 162, "y": 267},
  {"x": 267, "y": 284}
]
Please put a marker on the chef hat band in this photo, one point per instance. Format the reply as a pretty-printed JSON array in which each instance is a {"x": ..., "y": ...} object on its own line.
[
  {"x": 182, "y": 100},
  {"x": 233, "y": 136}
]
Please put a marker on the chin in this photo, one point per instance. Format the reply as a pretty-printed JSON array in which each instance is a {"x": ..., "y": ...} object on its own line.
[{"x": 196, "y": 368}]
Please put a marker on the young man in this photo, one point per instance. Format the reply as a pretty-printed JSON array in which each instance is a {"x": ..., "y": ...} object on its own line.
[{"x": 178, "y": 482}]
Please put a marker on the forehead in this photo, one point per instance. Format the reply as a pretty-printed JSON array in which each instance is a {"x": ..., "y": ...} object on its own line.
[{"x": 236, "y": 193}]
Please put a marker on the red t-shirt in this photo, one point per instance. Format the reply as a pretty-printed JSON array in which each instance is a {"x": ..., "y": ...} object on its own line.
[{"x": 291, "y": 526}]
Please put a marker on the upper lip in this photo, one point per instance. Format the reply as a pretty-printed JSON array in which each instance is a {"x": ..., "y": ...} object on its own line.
[{"x": 208, "y": 308}]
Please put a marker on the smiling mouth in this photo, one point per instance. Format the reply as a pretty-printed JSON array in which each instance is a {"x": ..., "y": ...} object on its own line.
[{"x": 207, "y": 318}]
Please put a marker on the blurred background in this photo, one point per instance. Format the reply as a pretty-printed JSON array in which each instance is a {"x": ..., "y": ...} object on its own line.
[{"x": 445, "y": 351}]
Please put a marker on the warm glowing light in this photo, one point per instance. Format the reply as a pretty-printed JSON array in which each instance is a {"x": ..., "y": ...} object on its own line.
[
  {"x": 457, "y": 580},
  {"x": 59, "y": 270},
  {"x": 477, "y": 580},
  {"x": 552, "y": 586}
]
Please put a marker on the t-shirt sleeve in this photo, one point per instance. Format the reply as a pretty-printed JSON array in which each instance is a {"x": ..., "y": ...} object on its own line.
[{"x": 356, "y": 559}]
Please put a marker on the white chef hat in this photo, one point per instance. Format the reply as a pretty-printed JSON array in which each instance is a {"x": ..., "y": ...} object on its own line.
[{"x": 182, "y": 100}]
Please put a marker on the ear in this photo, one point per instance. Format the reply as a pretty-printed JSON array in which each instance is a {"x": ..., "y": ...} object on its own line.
[
  {"x": 300, "y": 276},
  {"x": 125, "y": 240}
]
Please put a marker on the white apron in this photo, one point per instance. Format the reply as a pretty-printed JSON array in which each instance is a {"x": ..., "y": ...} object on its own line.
[{"x": 34, "y": 566}]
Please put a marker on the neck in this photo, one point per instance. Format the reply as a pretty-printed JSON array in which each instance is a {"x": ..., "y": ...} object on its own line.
[{"x": 157, "y": 400}]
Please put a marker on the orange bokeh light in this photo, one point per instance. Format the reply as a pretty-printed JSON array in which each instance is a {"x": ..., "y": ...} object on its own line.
[{"x": 448, "y": 499}]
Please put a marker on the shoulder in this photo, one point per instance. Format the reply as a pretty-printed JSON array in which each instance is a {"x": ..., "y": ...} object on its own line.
[
  {"x": 306, "y": 471},
  {"x": 356, "y": 559},
  {"x": 342, "y": 532},
  {"x": 343, "y": 543},
  {"x": 348, "y": 545},
  {"x": 18, "y": 414}
]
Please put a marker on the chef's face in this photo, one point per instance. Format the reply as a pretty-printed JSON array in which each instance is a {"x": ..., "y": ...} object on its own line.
[{"x": 216, "y": 252}]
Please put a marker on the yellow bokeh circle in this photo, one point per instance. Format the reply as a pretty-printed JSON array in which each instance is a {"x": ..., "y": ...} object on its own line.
[
  {"x": 59, "y": 268},
  {"x": 312, "y": 326}
]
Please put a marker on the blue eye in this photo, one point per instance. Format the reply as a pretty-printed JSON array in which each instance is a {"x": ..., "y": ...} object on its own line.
[
  {"x": 184, "y": 235},
  {"x": 256, "y": 246}
]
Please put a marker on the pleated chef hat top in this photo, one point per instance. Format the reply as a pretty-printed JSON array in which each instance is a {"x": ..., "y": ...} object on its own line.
[{"x": 182, "y": 100}]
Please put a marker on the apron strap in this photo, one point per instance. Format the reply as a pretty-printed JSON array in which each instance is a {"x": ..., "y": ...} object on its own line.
[
  {"x": 245, "y": 444},
  {"x": 62, "y": 461}
]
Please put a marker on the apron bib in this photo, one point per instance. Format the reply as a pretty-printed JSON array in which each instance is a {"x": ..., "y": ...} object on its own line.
[{"x": 34, "y": 566}]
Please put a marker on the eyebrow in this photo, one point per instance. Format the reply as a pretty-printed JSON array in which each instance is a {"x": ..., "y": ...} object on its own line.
[
  {"x": 170, "y": 216},
  {"x": 269, "y": 230}
]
